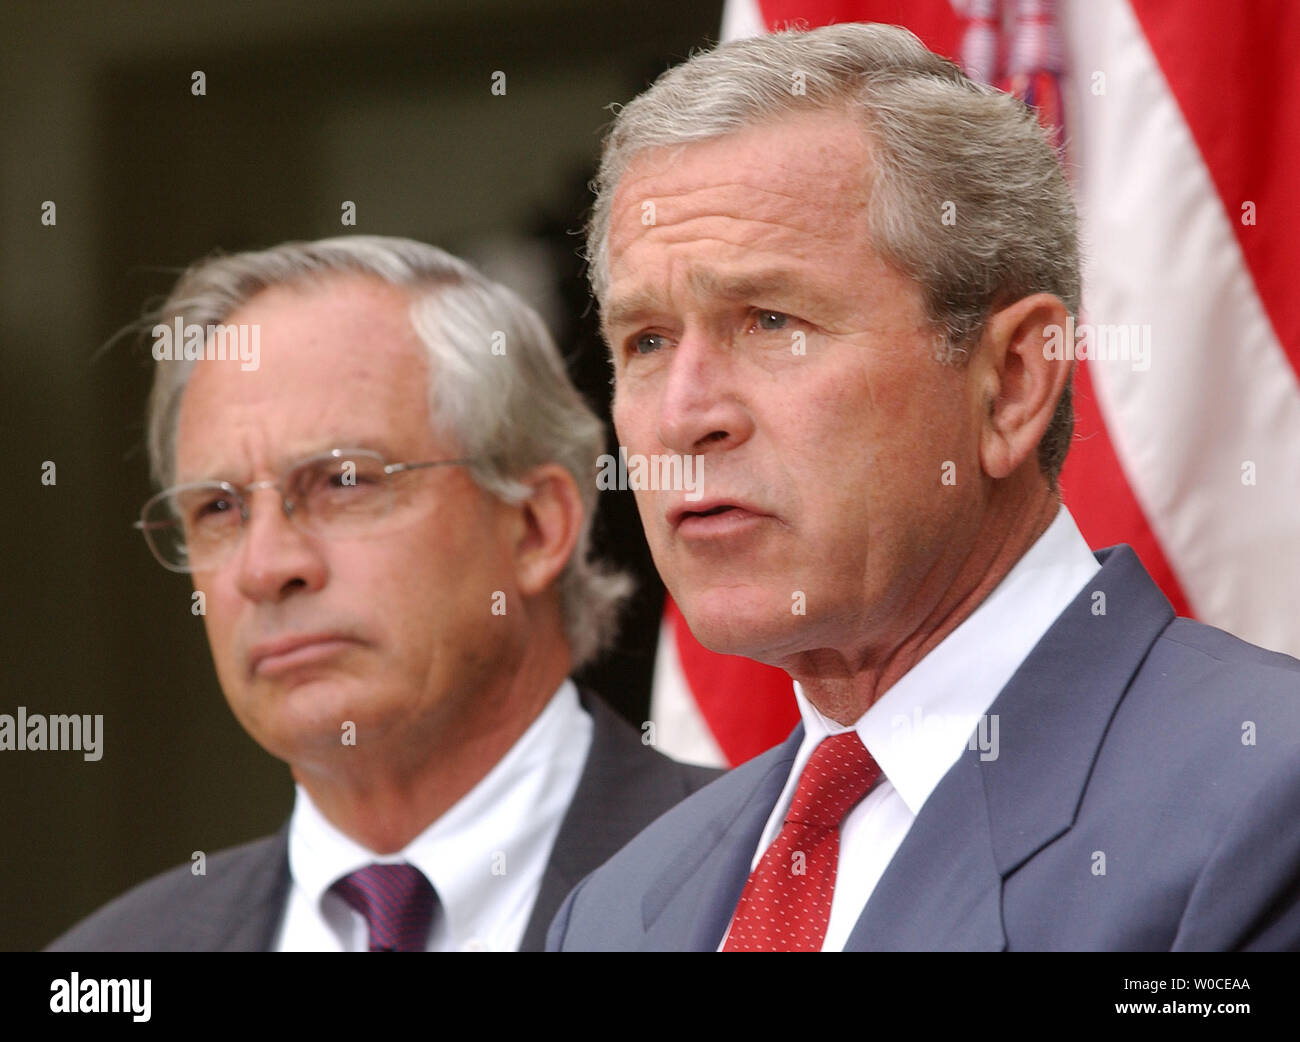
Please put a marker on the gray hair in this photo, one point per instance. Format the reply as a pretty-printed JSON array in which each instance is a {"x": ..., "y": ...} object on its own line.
[
  {"x": 939, "y": 141},
  {"x": 511, "y": 411}
]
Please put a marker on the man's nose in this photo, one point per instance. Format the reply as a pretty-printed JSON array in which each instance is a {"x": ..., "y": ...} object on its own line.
[
  {"x": 702, "y": 405},
  {"x": 275, "y": 556}
]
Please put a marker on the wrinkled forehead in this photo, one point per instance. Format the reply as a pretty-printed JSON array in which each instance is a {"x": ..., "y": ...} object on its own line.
[
  {"x": 339, "y": 365},
  {"x": 765, "y": 172}
]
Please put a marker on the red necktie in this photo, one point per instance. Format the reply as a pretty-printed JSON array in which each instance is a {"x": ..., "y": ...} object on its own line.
[
  {"x": 396, "y": 902},
  {"x": 786, "y": 904}
]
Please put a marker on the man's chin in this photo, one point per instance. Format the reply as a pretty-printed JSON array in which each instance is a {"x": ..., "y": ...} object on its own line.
[
  {"x": 315, "y": 717},
  {"x": 753, "y": 629}
]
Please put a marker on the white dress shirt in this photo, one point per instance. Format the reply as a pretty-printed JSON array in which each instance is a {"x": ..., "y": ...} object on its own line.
[
  {"x": 921, "y": 725},
  {"x": 485, "y": 856}
]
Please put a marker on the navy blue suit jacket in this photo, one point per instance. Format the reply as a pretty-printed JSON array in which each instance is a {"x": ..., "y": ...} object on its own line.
[{"x": 1157, "y": 749}]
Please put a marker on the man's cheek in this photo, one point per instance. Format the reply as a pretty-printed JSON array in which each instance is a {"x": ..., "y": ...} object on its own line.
[
  {"x": 218, "y": 626},
  {"x": 622, "y": 416}
]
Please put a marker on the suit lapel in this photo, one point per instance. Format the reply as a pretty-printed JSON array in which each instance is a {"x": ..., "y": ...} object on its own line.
[
  {"x": 696, "y": 895},
  {"x": 238, "y": 907},
  {"x": 258, "y": 930},
  {"x": 593, "y": 817},
  {"x": 253, "y": 928},
  {"x": 943, "y": 888}
]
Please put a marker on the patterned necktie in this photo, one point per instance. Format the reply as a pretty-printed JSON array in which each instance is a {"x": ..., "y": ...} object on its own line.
[
  {"x": 396, "y": 902},
  {"x": 786, "y": 904}
]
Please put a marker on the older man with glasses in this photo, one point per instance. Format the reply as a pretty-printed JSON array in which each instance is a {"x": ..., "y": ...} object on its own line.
[{"x": 388, "y": 515}]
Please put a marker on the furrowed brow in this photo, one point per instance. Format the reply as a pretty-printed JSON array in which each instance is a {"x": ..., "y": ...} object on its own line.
[
  {"x": 625, "y": 311},
  {"x": 635, "y": 307},
  {"x": 750, "y": 287}
]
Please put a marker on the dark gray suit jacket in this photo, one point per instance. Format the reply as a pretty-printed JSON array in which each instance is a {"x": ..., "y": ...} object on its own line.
[
  {"x": 238, "y": 904},
  {"x": 1158, "y": 750}
]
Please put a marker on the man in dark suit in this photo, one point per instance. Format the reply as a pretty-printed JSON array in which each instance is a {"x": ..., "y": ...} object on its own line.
[
  {"x": 379, "y": 476},
  {"x": 837, "y": 273}
]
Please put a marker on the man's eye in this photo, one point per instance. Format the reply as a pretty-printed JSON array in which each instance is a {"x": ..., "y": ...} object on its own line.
[
  {"x": 647, "y": 343},
  {"x": 350, "y": 477},
  {"x": 771, "y": 320},
  {"x": 213, "y": 507}
]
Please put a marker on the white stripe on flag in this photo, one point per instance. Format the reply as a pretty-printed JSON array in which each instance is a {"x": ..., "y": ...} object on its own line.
[{"x": 742, "y": 19}]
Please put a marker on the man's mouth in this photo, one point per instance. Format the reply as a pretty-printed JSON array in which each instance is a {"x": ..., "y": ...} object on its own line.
[
  {"x": 283, "y": 654},
  {"x": 714, "y": 518}
]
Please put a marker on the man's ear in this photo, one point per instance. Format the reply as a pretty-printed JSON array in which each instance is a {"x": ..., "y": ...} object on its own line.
[
  {"x": 550, "y": 520},
  {"x": 1022, "y": 367}
]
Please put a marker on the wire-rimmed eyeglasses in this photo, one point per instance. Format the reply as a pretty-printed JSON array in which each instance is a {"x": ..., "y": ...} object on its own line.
[{"x": 342, "y": 492}]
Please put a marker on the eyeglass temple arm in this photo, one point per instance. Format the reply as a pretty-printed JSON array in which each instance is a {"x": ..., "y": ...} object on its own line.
[{"x": 396, "y": 468}]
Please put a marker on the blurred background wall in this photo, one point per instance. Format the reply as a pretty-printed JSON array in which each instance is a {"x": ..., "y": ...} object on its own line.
[{"x": 308, "y": 104}]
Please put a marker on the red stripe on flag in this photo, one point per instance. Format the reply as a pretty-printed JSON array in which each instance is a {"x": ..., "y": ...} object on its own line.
[
  {"x": 1097, "y": 493},
  {"x": 934, "y": 21},
  {"x": 1232, "y": 69}
]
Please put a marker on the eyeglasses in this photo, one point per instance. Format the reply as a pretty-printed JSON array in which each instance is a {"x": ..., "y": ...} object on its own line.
[{"x": 343, "y": 492}]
